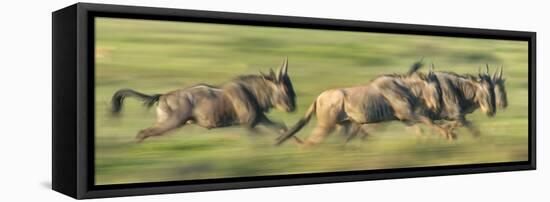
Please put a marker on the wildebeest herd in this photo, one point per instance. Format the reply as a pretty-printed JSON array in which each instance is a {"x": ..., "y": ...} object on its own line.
[{"x": 441, "y": 100}]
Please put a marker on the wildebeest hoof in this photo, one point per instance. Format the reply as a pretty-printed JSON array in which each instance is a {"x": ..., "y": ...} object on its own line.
[
  {"x": 307, "y": 144},
  {"x": 141, "y": 136},
  {"x": 298, "y": 141},
  {"x": 139, "y": 139},
  {"x": 453, "y": 136}
]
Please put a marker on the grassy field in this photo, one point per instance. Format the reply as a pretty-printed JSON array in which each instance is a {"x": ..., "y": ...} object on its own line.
[{"x": 157, "y": 57}]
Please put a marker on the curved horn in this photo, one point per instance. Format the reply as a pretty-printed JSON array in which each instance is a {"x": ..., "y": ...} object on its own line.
[
  {"x": 479, "y": 70},
  {"x": 283, "y": 69},
  {"x": 431, "y": 71},
  {"x": 500, "y": 72},
  {"x": 486, "y": 69},
  {"x": 494, "y": 77}
]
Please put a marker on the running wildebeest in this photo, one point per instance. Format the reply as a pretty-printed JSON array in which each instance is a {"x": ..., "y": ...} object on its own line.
[
  {"x": 458, "y": 99},
  {"x": 242, "y": 101},
  {"x": 380, "y": 102},
  {"x": 463, "y": 94},
  {"x": 407, "y": 98}
]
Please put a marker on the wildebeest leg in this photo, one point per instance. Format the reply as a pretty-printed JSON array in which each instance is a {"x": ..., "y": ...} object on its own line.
[
  {"x": 250, "y": 125},
  {"x": 474, "y": 130},
  {"x": 326, "y": 123},
  {"x": 158, "y": 129},
  {"x": 329, "y": 112},
  {"x": 344, "y": 128},
  {"x": 350, "y": 130},
  {"x": 365, "y": 131},
  {"x": 414, "y": 127},
  {"x": 167, "y": 119},
  {"x": 403, "y": 110},
  {"x": 277, "y": 127},
  {"x": 252, "y": 129},
  {"x": 319, "y": 134},
  {"x": 445, "y": 132}
]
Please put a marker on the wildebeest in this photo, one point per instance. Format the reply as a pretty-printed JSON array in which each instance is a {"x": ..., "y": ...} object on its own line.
[
  {"x": 462, "y": 94},
  {"x": 408, "y": 98},
  {"x": 456, "y": 103},
  {"x": 436, "y": 96},
  {"x": 242, "y": 101}
]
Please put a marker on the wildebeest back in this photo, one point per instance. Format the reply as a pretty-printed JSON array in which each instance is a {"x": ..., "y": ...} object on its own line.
[{"x": 368, "y": 106}]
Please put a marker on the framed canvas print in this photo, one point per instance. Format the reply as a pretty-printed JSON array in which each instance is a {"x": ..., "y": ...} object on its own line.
[{"x": 155, "y": 100}]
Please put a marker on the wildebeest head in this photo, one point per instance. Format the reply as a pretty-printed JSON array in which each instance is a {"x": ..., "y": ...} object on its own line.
[
  {"x": 283, "y": 96},
  {"x": 485, "y": 94},
  {"x": 500, "y": 90}
]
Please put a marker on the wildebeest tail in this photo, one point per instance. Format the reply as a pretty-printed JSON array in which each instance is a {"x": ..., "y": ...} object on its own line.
[
  {"x": 299, "y": 125},
  {"x": 118, "y": 98}
]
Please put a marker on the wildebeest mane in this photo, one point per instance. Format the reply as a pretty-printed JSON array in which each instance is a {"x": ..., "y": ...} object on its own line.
[
  {"x": 378, "y": 108},
  {"x": 463, "y": 76},
  {"x": 257, "y": 89}
]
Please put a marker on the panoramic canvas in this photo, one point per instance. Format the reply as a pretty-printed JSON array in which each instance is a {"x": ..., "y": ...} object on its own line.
[{"x": 177, "y": 101}]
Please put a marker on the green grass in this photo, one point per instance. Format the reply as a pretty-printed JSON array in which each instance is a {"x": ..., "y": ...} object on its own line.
[{"x": 157, "y": 57}]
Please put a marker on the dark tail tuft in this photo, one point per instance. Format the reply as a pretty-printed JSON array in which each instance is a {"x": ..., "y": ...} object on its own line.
[{"x": 118, "y": 98}]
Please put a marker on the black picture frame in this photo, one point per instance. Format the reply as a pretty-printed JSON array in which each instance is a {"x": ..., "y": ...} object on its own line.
[{"x": 73, "y": 95}]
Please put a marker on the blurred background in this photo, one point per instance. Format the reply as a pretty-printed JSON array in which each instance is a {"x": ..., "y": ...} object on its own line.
[{"x": 157, "y": 57}]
